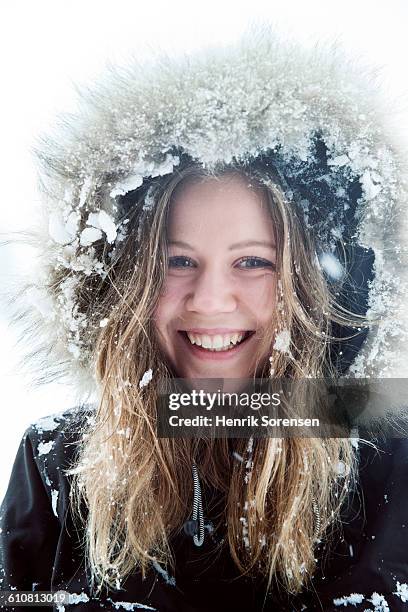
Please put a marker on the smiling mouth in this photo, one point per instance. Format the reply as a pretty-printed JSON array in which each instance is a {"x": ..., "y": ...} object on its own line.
[{"x": 216, "y": 343}]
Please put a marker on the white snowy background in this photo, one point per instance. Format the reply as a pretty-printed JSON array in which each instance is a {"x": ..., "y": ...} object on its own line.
[{"x": 47, "y": 46}]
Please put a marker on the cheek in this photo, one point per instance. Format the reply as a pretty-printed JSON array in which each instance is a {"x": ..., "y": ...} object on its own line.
[
  {"x": 260, "y": 295},
  {"x": 168, "y": 305}
]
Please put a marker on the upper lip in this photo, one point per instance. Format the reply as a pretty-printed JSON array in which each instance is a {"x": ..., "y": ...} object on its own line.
[{"x": 214, "y": 330}]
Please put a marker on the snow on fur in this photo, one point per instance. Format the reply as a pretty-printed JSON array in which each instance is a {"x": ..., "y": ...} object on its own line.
[{"x": 258, "y": 96}]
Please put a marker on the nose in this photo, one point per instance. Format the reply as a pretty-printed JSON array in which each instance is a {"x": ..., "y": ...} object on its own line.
[{"x": 213, "y": 292}]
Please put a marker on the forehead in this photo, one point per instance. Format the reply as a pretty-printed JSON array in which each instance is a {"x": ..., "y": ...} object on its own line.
[{"x": 230, "y": 203}]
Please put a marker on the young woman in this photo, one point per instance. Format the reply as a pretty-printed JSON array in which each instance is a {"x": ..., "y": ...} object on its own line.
[{"x": 237, "y": 214}]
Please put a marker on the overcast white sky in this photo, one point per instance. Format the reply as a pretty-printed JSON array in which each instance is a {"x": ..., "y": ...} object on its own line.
[{"x": 48, "y": 45}]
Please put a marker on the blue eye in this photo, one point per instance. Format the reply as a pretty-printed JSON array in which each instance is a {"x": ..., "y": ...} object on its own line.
[
  {"x": 180, "y": 261},
  {"x": 256, "y": 263}
]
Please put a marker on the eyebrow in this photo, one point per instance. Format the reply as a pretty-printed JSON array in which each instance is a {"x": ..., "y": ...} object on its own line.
[{"x": 237, "y": 245}]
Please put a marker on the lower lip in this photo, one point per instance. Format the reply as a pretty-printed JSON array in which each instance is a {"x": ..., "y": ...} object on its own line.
[{"x": 198, "y": 351}]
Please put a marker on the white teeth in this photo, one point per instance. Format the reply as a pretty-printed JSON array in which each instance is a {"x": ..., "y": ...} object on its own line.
[
  {"x": 217, "y": 342},
  {"x": 206, "y": 342}
]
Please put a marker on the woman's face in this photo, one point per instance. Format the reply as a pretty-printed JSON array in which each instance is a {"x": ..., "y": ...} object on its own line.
[{"x": 220, "y": 288}]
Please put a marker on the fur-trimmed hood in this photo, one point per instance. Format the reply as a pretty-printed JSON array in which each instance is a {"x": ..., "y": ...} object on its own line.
[{"x": 322, "y": 118}]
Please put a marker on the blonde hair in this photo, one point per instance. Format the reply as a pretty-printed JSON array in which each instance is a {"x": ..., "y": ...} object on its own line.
[{"x": 137, "y": 487}]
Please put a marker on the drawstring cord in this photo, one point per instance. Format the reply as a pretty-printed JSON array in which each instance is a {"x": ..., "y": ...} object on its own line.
[
  {"x": 195, "y": 526},
  {"x": 316, "y": 512},
  {"x": 198, "y": 508}
]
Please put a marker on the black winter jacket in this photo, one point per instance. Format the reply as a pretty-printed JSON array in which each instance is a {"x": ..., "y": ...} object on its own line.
[{"x": 366, "y": 569}]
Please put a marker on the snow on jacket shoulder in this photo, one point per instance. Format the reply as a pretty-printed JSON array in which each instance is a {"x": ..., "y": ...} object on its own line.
[
  {"x": 34, "y": 510},
  {"x": 41, "y": 547}
]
